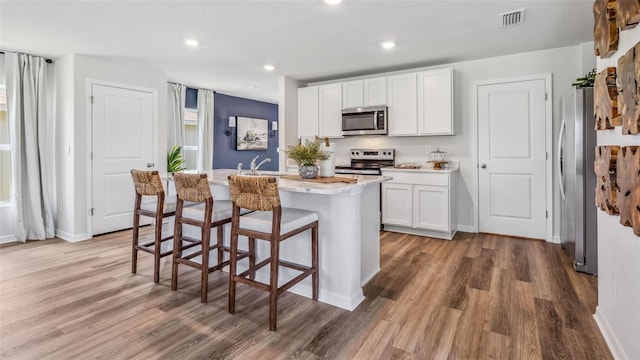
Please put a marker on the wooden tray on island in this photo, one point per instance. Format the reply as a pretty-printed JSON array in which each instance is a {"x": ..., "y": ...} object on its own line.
[{"x": 322, "y": 180}]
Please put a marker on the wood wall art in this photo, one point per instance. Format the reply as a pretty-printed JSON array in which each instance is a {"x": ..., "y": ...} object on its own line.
[
  {"x": 628, "y": 181},
  {"x": 605, "y": 28},
  {"x": 628, "y": 95},
  {"x": 605, "y": 169},
  {"x": 605, "y": 102},
  {"x": 628, "y": 14}
]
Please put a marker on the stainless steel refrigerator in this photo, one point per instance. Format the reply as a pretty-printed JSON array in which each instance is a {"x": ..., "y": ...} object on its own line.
[{"x": 575, "y": 156}]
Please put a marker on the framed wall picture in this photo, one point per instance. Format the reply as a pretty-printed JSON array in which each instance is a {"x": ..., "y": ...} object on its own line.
[{"x": 253, "y": 134}]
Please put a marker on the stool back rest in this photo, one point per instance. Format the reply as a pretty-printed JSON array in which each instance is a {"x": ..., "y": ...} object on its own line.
[
  {"x": 192, "y": 187},
  {"x": 254, "y": 192},
  {"x": 147, "y": 182}
]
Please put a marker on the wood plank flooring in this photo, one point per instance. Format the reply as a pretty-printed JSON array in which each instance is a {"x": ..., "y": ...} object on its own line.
[{"x": 476, "y": 297}]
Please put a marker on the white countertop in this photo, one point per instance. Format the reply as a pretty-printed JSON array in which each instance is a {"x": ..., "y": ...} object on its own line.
[
  {"x": 421, "y": 170},
  {"x": 220, "y": 177}
]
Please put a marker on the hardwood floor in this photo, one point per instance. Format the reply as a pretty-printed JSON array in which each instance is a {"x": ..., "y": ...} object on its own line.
[{"x": 476, "y": 297}]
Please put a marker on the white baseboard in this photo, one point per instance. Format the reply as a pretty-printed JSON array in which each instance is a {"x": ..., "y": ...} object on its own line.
[
  {"x": 72, "y": 237},
  {"x": 556, "y": 239},
  {"x": 465, "y": 228},
  {"x": 5, "y": 239},
  {"x": 609, "y": 336}
]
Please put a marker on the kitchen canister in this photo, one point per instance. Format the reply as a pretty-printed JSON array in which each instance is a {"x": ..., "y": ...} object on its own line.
[{"x": 328, "y": 167}]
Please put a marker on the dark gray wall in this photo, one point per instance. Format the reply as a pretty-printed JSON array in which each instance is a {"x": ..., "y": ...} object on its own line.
[{"x": 225, "y": 155}]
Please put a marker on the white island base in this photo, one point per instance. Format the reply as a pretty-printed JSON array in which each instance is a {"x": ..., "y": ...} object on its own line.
[{"x": 349, "y": 235}]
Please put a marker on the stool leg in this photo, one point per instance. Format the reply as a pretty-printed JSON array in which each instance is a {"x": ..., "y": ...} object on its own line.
[
  {"x": 233, "y": 262},
  {"x": 204, "y": 281},
  {"x": 220, "y": 238},
  {"x": 177, "y": 245},
  {"x": 158, "y": 243},
  {"x": 273, "y": 284},
  {"x": 252, "y": 258},
  {"x": 314, "y": 262},
  {"x": 135, "y": 236}
]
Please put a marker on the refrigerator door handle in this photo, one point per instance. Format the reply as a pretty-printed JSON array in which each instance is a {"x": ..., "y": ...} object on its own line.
[{"x": 559, "y": 160}]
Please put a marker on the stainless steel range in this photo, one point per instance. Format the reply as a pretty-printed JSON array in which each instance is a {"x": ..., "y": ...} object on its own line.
[{"x": 368, "y": 161}]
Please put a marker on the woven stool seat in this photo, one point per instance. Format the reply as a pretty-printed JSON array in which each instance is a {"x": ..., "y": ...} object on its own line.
[
  {"x": 205, "y": 214},
  {"x": 151, "y": 202},
  {"x": 271, "y": 222}
]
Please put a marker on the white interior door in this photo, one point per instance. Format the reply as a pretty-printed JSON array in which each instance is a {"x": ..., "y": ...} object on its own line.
[
  {"x": 122, "y": 139},
  {"x": 512, "y": 158}
]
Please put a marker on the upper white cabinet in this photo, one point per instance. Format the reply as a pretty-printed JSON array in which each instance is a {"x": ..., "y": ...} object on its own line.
[
  {"x": 362, "y": 93},
  {"x": 435, "y": 102},
  {"x": 402, "y": 105},
  {"x": 330, "y": 104},
  {"x": 419, "y": 103},
  {"x": 308, "y": 111},
  {"x": 352, "y": 94},
  {"x": 319, "y": 111}
]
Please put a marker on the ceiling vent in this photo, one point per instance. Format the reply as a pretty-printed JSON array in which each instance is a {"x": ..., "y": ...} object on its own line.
[{"x": 511, "y": 18}]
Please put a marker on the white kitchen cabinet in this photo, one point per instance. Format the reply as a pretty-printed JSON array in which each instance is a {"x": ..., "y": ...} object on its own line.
[
  {"x": 308, "y": 111},
  {"x": 395, "y": 198},
  {"x": 363, "y": 93},
  {"x": 419, "y": 202},
  {"x": 375, "y": 91},
  {"x": 402, "y": 105},
  {"x": 431, "y": 207},
  {"x": 330, "y": 106},
  {"x": 435, "y": 102},
  {"x": 352, "y": 94},
  {"x": 319, "y": 111}
]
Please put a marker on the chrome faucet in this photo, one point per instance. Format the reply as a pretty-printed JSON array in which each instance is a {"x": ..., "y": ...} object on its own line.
[
  {"x": 255, "y": 167},
  {"x": 239, "y": 168}
]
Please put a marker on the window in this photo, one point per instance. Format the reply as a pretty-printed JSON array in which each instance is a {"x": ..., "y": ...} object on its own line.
[
  {"x": 190, "y": 146},
  {"x": 5, "y": 149}
]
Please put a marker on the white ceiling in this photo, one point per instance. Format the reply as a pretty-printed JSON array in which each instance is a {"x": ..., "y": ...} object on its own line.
[{"x": 305, "y": 40}]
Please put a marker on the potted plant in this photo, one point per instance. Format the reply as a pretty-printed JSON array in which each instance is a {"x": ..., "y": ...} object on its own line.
[
  {"x": 175, "y": 160},
  {"x": 307, "y": 157}
]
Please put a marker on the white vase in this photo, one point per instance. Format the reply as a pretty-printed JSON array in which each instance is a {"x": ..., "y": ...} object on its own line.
[{"x": 328, "y": 167}]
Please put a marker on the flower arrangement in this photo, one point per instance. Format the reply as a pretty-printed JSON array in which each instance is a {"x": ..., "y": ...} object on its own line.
[{"x": 308, "y": 154}]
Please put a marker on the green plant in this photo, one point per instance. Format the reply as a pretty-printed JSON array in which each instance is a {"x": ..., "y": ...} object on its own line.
[
  {"x": 586, "y": 81},
  {"x": 308, "y": 154},
  {"x": 174, "y": 159}
]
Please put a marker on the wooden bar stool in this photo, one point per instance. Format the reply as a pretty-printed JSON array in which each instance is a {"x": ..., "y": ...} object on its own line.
[
  {"x": 148, "y": 183},
  {"x": 195, "y": 188},
  {"x": 271, "y": 222}
]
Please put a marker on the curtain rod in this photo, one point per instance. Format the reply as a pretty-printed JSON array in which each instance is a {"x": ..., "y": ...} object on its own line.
[
  {"x": 48, "y": 61},
  {"x": 191, "y": 87}
]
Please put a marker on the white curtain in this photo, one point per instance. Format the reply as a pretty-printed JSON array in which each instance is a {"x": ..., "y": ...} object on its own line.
[
  {"x": 30, "y": 100},
  {"x": 205, "y": 130},
  {"x": 175, "y": 103}
]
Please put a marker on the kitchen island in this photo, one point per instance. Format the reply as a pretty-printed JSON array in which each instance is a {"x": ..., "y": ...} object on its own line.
[{"x": 349, "y": 234}]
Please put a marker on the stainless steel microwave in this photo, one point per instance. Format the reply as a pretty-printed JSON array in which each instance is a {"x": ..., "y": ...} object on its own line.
[{"x": 364, "y": 121}]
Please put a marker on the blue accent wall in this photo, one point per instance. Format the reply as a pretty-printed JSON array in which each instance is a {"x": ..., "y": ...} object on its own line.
[{"x": 225, "y": 155}]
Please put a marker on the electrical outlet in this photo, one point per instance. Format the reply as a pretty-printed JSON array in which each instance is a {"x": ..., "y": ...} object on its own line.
[{"x": 427, "y": 149}]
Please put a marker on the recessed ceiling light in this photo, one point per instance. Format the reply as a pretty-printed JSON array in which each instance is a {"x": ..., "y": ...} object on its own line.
[
  {"x": 269, "y": 67},
  {"x": 333, "y": 2},
  {"x": 252, "y": 87},
  {"x": 388, "y": 45},
  {"x": 191, "y": 42}
]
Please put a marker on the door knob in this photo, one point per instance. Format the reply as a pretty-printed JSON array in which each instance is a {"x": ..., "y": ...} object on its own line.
[
  {"x": 150, "y": 165},
  {"x": 484, "y": 166}
]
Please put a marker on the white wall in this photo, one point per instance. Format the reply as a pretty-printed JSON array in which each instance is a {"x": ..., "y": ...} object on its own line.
[
  {"x": 74, "y": 210},
  {"x": 287, "y": 116},
  {"x": 65, "y": 146},
  {"x": 563, "y": 63},
  {"x": 618, "y": 311}
]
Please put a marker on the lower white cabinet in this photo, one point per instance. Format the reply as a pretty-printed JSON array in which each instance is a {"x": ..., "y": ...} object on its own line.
[{"x": 419, "y": 203}]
